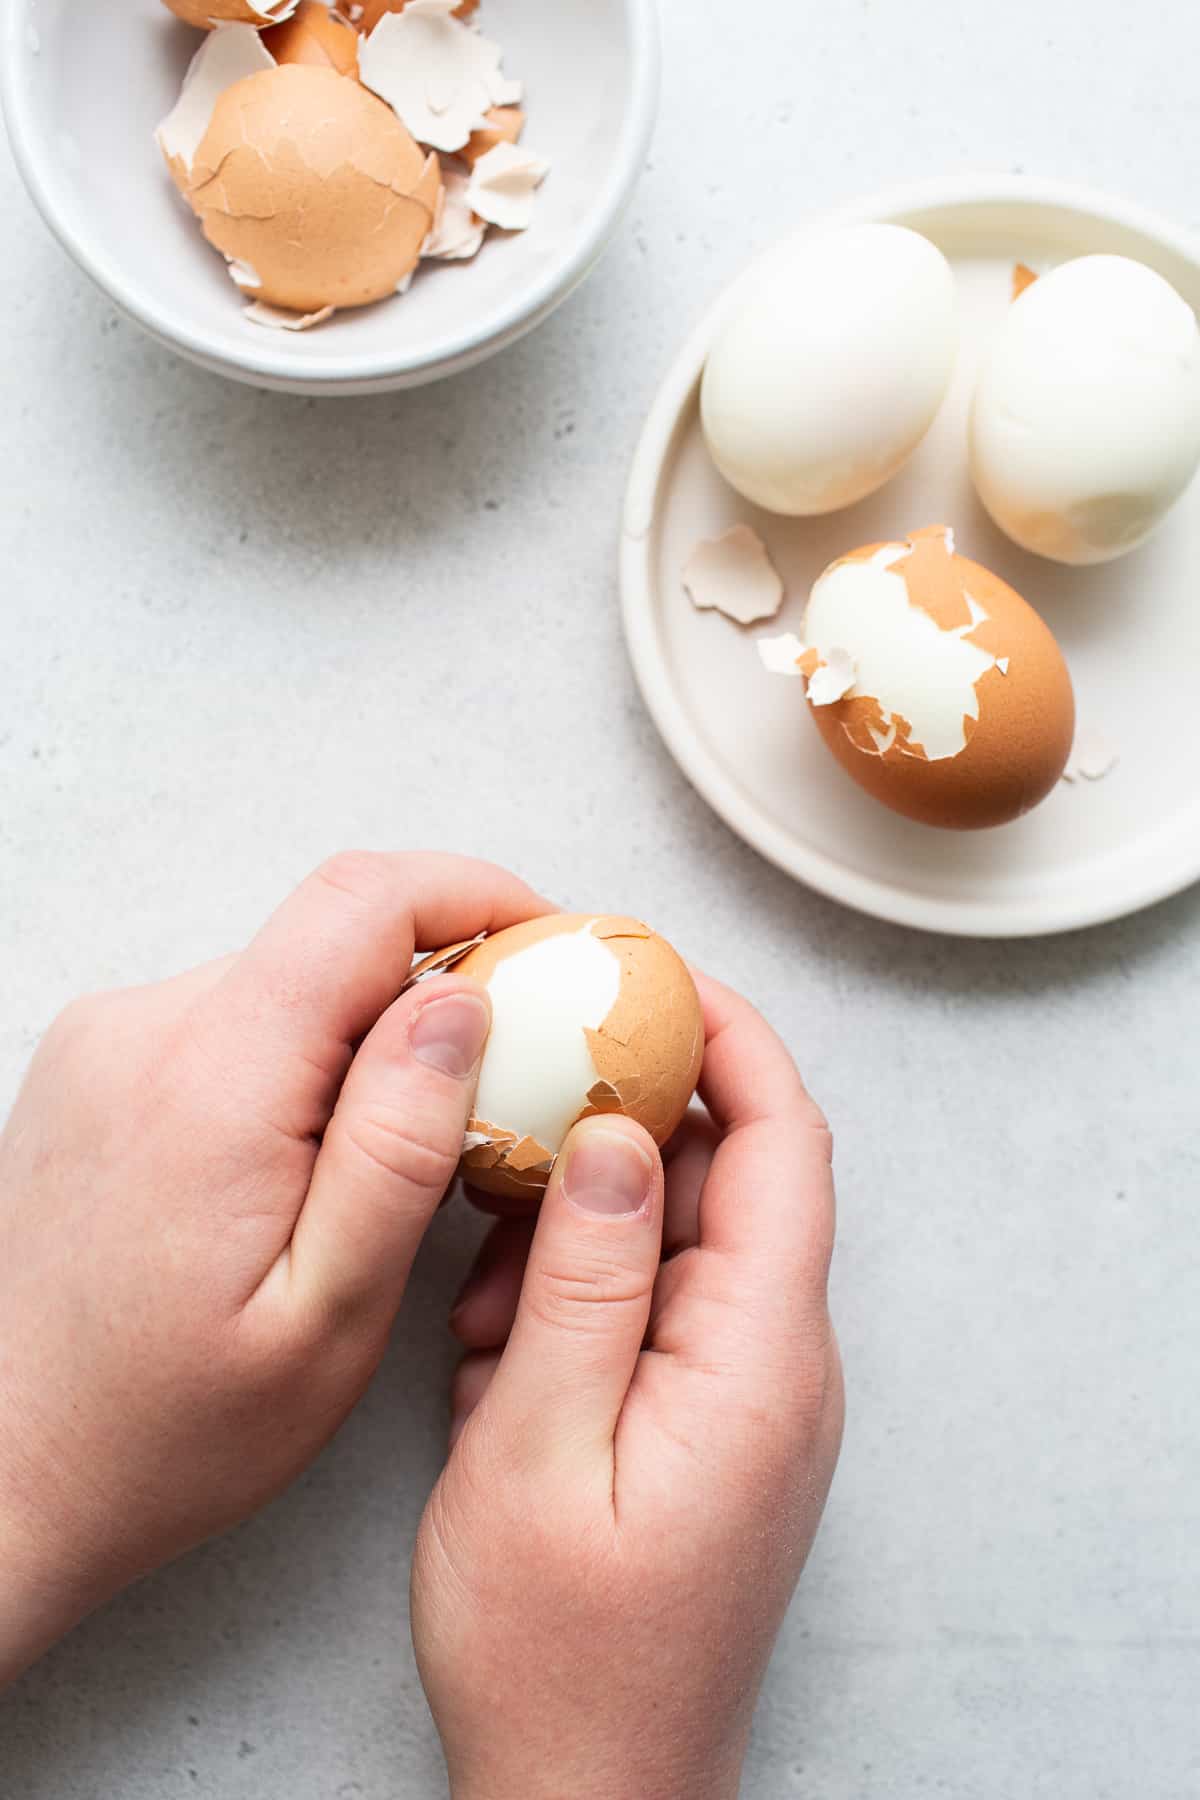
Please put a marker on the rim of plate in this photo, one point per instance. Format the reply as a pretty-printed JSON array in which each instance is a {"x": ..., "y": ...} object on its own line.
[
  {"x": 364, "y": 371},
  {"x": 1175, "y": 863}
]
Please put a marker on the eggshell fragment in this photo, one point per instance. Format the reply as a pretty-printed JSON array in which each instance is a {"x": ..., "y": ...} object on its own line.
[
  {"x": 209, "y": 13},
  {"x": 317, "y": 36},
  {"x": 277, "y": 319},
  {"x": 504, "y": 126},
  {"x": 458, "y": 233},
  {"x": 368, "y": 15},
  {"x": 1091, "y": 758},
  {"x": 227, "y": 55},
  {"x": 591, "y": 1014},
  {"x": 504, "y": 184},
  {"x": 1022, "y": 277},
  {"x": 316, "y": 185},
  {"x": 733, "y": 574},
  {"x": 931, "y": 727},
  {"x": 440, "y": 76}
]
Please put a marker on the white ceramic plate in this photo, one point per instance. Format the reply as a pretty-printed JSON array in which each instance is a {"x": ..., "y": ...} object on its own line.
[
  {"x": 85, "y": 82},
  {"x": 1130, "y": 630}
]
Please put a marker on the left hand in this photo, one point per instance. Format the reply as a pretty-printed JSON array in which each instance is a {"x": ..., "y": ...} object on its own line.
[{"x": 211, "y": 1194}]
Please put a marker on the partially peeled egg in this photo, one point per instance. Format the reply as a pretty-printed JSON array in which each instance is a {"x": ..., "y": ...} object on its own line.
[{"x": 591, "y": 1013}]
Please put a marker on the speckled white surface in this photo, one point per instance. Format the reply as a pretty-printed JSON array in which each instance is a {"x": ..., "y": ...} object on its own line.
[{"x": 241, "y": 631}]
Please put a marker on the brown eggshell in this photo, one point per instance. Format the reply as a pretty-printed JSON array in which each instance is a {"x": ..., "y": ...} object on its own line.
[
  {"x": 1017, "y": 749},
  {"x": 504, "y": 126},
  {"x": 317, "y": 185},
  {"x": 315, "y": 36},
  {"x": 373, "y": 10},
  {"x": 204, "y": 14},
  {"x": 647, "y": 1054}
]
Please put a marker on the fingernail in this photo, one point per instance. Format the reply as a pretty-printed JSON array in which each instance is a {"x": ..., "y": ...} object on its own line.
[
  {"x": 608, "y": 1173},
  {"x": 450, "y": 1034}
]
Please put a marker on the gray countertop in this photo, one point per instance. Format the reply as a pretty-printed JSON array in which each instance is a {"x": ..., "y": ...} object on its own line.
[{"x": 242, "y": 631}]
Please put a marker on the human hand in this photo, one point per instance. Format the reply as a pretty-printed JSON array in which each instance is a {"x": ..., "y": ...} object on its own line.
[
  {"x": 211, "y": 1193},
  {"x": 637, "y": 1475}
]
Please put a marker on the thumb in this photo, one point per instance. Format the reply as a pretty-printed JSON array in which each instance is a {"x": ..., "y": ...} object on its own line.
[
  {"x": 391, "y": 1149},
  {"x": 585, "y": 1301}
]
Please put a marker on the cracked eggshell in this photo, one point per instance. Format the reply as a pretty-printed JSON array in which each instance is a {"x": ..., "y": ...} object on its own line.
[
  {"x": 932, "y": 726},
  {"x": 504, "y": 126},
  {"x": 227, "y": 55},
  {"x": 366, "y": 14},
  {"x": 316, "y": 185},
  {"x": 831, "y": 367},
  {"x": 1085, "y": 427},
  {"x": 439, "y": 76},
  {"x": 317, "y": 36},
  {"x": 205, "y": 14},
  {"x": 590, "y": 1014}
]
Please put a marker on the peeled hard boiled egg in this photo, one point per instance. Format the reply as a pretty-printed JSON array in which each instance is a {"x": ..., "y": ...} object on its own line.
[
  {"x": 933, "y": 683},
  {"x": 590, "y": 1014},
  {"x": 1085, "y": 427},
  {"x": 829, "y": 372}
]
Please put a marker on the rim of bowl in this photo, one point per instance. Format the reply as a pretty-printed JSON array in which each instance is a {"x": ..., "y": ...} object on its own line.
[
  {"x": 1163, "y": 877},
  {"x": 444, "y": 356}
]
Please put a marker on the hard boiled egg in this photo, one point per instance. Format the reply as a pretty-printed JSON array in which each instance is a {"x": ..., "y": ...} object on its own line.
[
  {"x": 1085, "y": 427},
  {"x": 933, "y": 683},
  {"x": 590, "y": 1014},
  {"x": 830, "y": 368}
]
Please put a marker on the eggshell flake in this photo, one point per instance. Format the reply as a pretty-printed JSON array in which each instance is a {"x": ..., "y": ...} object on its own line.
[
  {"x": 504, "y": 126},
  {"x": 276, "y": 318},
  {"x": 931, "y": 727},
  {"x": 316, "y": 36},
  {"x": 1022, "y": 277},
  {"x": 733, "y": 574},
  {"x": 457, "y": 233},
  {"x": 504, "y": 185},
  {"x": 317, "y": 185},
  {"x": 591, "y": 1014},
  {"x": 227, "y": 55},
  {"x": 367, "y": 16},
  {"x": 209, "y": 13},
  {"x": 440, "y": 76},
  {"x": 1091, "y": 758}
]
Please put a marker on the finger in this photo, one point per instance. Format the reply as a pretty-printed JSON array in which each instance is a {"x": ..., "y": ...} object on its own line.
[
  {"x": 768, "y": 1199},
  {"x": 391, "y": 1149},
  {"x": 687, "y": 1160},
  {"x": 482, "y": 1315},
  {"x": 335, "y": 955},
  {"x": 471, "y": 1381},
  {"x": 567, "y": 1367}
]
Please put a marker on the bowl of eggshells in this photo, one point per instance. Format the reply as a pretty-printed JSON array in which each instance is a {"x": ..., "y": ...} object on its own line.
[{"x": 332, "y": 196}]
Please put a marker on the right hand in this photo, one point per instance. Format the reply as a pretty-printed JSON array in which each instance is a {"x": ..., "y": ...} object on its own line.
[{"x": 642, "y": 1451}]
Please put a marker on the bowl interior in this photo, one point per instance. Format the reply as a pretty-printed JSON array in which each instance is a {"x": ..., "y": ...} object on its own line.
[{"x": 90, "y": 79}]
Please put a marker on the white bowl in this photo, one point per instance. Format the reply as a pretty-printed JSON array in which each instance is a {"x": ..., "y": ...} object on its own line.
[
  {"x": 1130, "y": 629},
  {"x": 85, "y": 82}
]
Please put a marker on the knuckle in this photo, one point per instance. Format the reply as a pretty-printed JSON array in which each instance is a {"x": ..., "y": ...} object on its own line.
[
  {"x": 587, "y": 1295},
  {"x": 350, "y": 872},
  {"x": 395, "y": 1144}
]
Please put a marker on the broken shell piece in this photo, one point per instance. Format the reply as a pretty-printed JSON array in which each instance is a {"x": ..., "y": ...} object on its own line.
[
  {"x": 832, "y": 679},
  {"x": 207, "y": 14},
  {"x": 503, "y": 185},
  {"x": 1091, "y": 759},
  {"x": 226, "y": 56},
  {"x": 439, "y": 962},
  {"x": 590, "y": 1014},
  {"x": 1022, "y": 277},
  {"x": 440, "y": 76},
  {"x": 458, "y": 232},
  {"x": 317, "y": 36},
  {"x": 367, "y": 16},
  {"x": 733, "y": 574},
  {"x": 317, "y": 185},
  {"x": 277, "y": 318},
  {"x": 782, "y": 655},
  {"x": 504, "y": 126}
]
